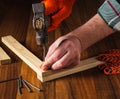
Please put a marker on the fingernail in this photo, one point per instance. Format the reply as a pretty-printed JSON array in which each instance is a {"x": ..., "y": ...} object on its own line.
[{"x": 44, "y": 66}]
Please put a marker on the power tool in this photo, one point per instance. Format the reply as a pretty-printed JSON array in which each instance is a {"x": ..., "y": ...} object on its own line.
[{"x": 40, "y": 24}]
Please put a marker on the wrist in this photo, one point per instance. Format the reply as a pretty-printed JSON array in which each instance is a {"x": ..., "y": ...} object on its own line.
[{"x": 92, "y": 31}]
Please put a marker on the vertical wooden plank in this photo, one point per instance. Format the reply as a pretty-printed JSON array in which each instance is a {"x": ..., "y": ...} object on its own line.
[
  {"x": 4, "y": 58},
  {"x": 23, "y": 53}
]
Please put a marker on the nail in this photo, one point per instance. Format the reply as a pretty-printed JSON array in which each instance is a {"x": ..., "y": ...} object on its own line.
[
  {"x": 8, "y": 80},
  {"x": 25, "y": 84},
  {"x": 19, "y": 87},
  {"x": 20, "y": 81},
  {"x": 33, "y": 86}
]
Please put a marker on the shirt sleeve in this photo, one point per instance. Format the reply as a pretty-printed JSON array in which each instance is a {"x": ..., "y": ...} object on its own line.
[{"x": 110, "y": 13}]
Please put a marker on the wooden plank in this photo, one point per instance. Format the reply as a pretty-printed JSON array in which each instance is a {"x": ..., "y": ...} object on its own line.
[
  {"x": 34, "y": 62},
  {"x": 84, "y": 65},
  {"x": 23, "y": 53},
  {"x": 4, "y": 58}
]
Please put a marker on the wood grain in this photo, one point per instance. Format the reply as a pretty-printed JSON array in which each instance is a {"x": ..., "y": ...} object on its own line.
[
  {"x": 13, "y": 18},
  {"x": 8, "y": 90},
  {"x": 34, "y": 62},
  {"x": 4, "y": 58},
  {"x": 89, "y": 84},
  {"x": 23, "y": 53},
  {"x": 84, "y": 65}
]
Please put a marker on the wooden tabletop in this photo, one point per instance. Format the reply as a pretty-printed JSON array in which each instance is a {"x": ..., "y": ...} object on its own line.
[{"x": 16, "y": 20}]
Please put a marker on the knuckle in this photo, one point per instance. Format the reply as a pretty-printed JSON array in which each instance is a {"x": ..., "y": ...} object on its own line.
[
  {"x": 69, "y": 44},
  {"x": 57, "y": 66},
  {"x": 56, "y": 57},
  {"x": 51, "y": 47},
  {"x": 60, "y": 64},
  {"x": 53, "y": 59}
]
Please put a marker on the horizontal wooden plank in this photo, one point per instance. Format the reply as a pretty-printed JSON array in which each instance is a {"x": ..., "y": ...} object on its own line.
[
  {"x": 34, "y": 62},
  {"x": 4, "y": 58},
  {"x": 84, "y": 65}
]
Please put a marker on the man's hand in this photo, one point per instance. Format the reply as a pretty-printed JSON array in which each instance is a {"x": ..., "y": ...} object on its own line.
[
  {"x": 58, "y": 10},
  {"x": 64, "y": 52}
]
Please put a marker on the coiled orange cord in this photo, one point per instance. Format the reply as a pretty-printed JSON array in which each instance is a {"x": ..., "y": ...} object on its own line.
[{"x": 112, "y": 59}]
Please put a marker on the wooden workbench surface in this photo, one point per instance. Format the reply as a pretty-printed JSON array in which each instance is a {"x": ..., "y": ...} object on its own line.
[{"x": 16, "y": 20}]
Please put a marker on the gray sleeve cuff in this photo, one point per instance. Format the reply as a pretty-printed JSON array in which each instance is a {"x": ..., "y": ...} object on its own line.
[{"x": 110, "y": 13}]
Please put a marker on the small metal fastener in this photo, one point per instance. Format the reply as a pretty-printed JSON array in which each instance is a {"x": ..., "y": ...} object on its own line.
[
  {"x": 20, "y": 80},
  {"x": 19, "y": 87},
  {"x": 2, "y": 81},
  {"x": 20, "y": 84},
  {"x": 34, "y": 86},
  {"x": 26, "y": 85}
]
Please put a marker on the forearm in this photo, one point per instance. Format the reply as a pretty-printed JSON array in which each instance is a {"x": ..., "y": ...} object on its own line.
[{"x": 92, "y": 31}]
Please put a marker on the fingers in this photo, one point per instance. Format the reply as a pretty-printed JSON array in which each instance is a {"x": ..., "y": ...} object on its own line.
[
  {"x": 55, "y": 52},
  {"x": 61, "y": 62},
  {"x": 64, "y": 55},
  {"x": 65, "y": 61},
  {"x": 54, "y": 46},
  {"x": 51, "y": 6},
  {"x": 52, "y": 27},
  {"x": 58, "y": 10},
  {"x": 58, "y": 17},
  {"x": 53, "y": 58}
]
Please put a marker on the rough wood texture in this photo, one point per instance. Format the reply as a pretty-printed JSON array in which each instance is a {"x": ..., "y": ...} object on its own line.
[
  {"x": 84, "y": 65},
  {"x": 14, "y": 18},
  {"x": 23, "y": 53},
  {"x": 8, "y": 90},
  {"x": 4, "y": 58},
  {"x": 90, "y": 84},
  {"x": 34, "y": 62}
]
